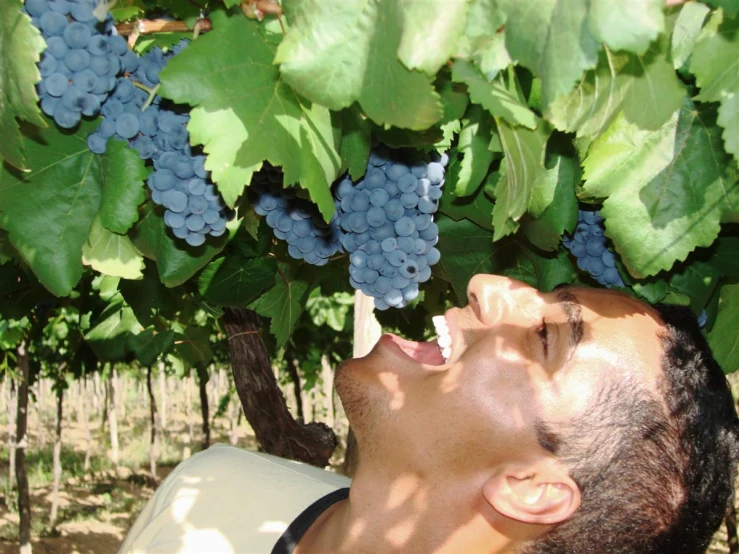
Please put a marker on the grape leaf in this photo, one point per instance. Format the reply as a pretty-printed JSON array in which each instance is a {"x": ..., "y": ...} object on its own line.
[
  {"x": 150, "y": 344},
  {"x": 494, "y": 97},
  {"x": 111, "y": 253},
  {"x": 645, "y": 87},
  {"x": 21, "y": 45},
  {"x": 483, "y": 41},
  {"x": 552, "y": 39},
  {"x": 553, "y": 205},
  {"x": 48, "y": 212},
  {"x": 125, "y": 13},
  {"x": 431, "y": 30},
  {"x": 697, "y": 281},
  {"x": 477, "y": 208},
  {"x": 715, "y": 64},
  {"x": 730, "y": 7},
  {"x": 176, "y": 260},
  {"x": 723, "y": 338},
  {"x": 110, "y": 336},
  {"x": 659, "y": 207},
  {"x": 283, "y": 303},
  {"x": 246, "y": 114},
  {"x": 466, "y": 250},
  {"x": 687, "y": 29},
  {"x": 356, "y": 139},
  {"x": 235, "y": 281},
  {"x": 149, "y": 298},
  {"x": 542, "y": 272},
  {"x": 629, "y": 26},
  {"x": 121, "y": 197},
  {"x": 336, "y": 53},
  {"x": 522, "y": 170},
  {"x": 192, "y": 347},
  {"x": 466, "y": 173}
]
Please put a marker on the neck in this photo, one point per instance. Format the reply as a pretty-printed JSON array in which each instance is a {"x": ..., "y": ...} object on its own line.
[{"x": 402, "y": 514}]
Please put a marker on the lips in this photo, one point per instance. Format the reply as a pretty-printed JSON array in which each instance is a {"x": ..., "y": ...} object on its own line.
[{"x": 423, "y": 352}]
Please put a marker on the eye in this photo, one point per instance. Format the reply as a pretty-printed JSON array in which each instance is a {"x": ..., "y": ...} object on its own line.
[{"x": 543, "y": 333}]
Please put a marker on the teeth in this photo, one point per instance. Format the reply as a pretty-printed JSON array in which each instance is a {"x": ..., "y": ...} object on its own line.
[{"x": 444, "y": 340}]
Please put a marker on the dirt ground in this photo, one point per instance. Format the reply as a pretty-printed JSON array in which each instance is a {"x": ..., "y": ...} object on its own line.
[{"x": 98, "y": 506}]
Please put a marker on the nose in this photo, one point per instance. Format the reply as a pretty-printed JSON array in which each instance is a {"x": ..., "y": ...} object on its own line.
[{"x": 492, "y": 296}]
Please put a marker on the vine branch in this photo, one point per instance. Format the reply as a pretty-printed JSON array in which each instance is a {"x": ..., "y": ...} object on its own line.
[{"x": 150, "y": 26}]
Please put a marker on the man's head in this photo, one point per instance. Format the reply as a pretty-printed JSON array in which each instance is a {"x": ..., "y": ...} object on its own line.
[{"x": 576, "y": 420}]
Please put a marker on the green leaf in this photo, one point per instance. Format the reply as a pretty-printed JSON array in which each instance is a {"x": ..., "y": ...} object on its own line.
[
  {"x": 246, "y": 114},
  {"x": 658, "y": 207},
  {"x": 149, "y": 298},
  {"x": 466, "y": 250},
  {"x": 176, "y": 260},
  {"x": 629, "y": 26},
  {"x": 125, "y": 13},
  {"x": 21, "y": 45},
  {"x": 724, "y": 256},
  {"x": 112, "y": 254},
  {"x": 466, "y": 173},
  {"x": 477, "y": 208},
  {"x": 431, "y": 30},
  {"x": 542, "y": 272},
  {"x": 651, "y": 290},
  {"x": 48, "y": 212},
  {"x": 283, "y": 303},
  {"x": 494, "y": 97},
  {"x": 697, "y": 281},
  {"x": 687, "y": 29},
  {"x": 523, "y": 171},
  {"x": 483, "y": 41},
  {"x": 121, "y": 197},
  {"x": 359, "y": 41},
  {"x": 645, "y": 88},
  {"x": 454, "y": 99},
  {"x": 111, "y": 334},
  {"x": 553, "y": 205},
  {"x": 552, "y": 38},
  {"x": 356, "y": 139},
  {"x": 150, "y": 344},
  {"x": 715, "y": 64},
  {"x": 723, "y": 338},
  {"x": 192, "y": 347},
  {"x": 165, "y": 41},
  {"x": 730, "y": 7},
  {"x": 234, "y": 281}
]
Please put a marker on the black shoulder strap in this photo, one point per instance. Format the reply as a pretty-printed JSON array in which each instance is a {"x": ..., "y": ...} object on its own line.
[{"x": 295, "y": 531}]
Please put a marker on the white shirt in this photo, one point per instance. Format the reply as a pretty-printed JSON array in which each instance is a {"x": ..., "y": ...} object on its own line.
[{"x": 227, "y": 501}]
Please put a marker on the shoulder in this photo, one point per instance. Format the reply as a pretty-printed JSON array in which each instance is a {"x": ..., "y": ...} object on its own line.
[{"x": 244, "y": 498}]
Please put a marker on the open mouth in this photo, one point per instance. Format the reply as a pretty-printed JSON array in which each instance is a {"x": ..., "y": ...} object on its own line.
[{"x": 423, "y": 352}]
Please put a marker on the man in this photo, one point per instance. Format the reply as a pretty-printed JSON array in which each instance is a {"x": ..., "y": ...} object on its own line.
[{"x": 575, "y": 421}]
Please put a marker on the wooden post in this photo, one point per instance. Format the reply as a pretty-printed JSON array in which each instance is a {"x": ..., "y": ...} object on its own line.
[
  {"x": 12, "y": 436},
  {"x": 154, "y": 442},
  {"x": 112, "y": 419},
  {"x": 21, "y": 478},
  {"x": 57, "y": 458}
]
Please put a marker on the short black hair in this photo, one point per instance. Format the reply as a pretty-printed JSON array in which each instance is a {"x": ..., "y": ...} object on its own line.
[{"x": 656, "y": 470}]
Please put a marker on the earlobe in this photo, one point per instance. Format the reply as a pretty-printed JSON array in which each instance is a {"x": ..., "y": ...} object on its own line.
[{"x": 544, "y": 498}]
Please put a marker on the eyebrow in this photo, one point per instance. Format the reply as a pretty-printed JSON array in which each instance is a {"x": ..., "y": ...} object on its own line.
[{"x": 572, "y": 309}]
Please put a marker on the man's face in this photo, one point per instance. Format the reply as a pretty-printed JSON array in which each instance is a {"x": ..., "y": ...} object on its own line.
[{"x": 518, "y": 356}]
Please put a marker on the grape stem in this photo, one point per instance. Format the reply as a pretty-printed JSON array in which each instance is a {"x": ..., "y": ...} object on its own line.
[{"x": 149, "y": 26}]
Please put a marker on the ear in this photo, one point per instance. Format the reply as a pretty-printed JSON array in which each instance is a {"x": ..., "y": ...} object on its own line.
[{"x": 544, "y": 495}]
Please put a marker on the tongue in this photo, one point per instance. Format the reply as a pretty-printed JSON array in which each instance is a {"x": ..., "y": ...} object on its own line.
[{"x": 423, "y": 352}]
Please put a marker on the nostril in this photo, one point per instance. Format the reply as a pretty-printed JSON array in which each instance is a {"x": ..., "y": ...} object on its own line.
[{"x": 474, "y": 304}]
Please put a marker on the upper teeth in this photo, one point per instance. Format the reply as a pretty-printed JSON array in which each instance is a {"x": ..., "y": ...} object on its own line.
[{"x": 445, "y": 339}]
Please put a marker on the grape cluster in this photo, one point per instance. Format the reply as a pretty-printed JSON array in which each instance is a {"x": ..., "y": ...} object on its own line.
[
  {"x": 390, "y": 234},
  {"x": 81, "y": 61},
  {"x": 588, "y": 245},
  {"x": 179, "y": 182},
  {"x": 294, "y": 219}
]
